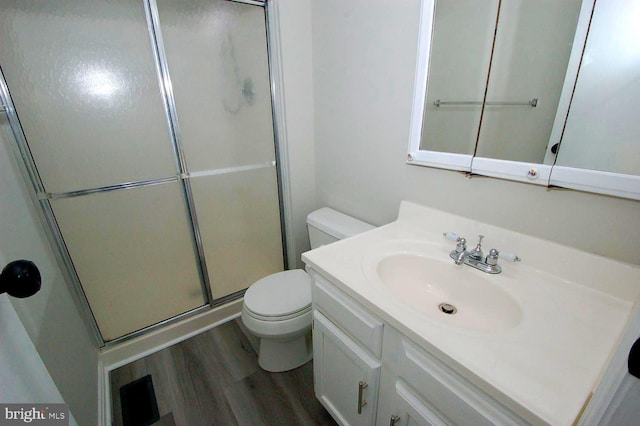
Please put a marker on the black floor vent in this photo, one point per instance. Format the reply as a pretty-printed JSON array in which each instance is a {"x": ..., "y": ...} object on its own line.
[{"x": 139, "y": 406}]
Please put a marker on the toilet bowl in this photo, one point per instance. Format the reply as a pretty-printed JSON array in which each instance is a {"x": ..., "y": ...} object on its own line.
[{"x": 277, "y": 308}]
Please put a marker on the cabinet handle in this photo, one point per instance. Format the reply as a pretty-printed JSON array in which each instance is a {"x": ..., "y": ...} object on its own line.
[
  {"x": 394, "y": 419},
  {"x": 361, "y": 403}
]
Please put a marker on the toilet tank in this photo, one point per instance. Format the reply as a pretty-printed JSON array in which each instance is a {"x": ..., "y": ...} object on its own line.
[{"x": 327, "y": 225}]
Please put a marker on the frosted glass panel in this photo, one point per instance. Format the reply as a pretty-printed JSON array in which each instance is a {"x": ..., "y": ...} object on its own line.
[
  {"x": 460, "y": 54},
  {"x": 134, "y": 255},
  {"x": 239, "y": 220},
  {"x": 530, "y": 61},
  {"x": 83, "y": 79},
  {"x": 217, "y": 57}
]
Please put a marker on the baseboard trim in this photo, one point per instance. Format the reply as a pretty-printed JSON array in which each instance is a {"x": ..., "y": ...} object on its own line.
[{"x": 116, "y": 356}]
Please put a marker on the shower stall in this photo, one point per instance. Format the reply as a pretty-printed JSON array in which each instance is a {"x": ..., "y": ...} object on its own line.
[{"x": 146, "y": 131}]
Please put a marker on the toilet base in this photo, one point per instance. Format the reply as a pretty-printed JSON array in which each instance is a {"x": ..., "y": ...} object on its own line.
[{"x": 278, "y": 355}]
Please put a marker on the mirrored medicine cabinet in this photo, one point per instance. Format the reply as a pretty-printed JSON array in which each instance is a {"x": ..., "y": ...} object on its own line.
[{"x": 538, "y": 91}]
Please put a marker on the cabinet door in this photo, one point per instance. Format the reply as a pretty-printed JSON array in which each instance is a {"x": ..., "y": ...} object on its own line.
[
  {"x": 346, "y": 377},
  {"x": 454, "y": 398},
  {"x": 407, "y": 409},
  {"x": 399, "y": 405}
]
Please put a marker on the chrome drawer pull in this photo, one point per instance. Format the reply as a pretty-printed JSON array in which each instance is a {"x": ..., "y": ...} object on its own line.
[
  {"x": 394, "y": 419},
  {"x": 361, "y": 403}
]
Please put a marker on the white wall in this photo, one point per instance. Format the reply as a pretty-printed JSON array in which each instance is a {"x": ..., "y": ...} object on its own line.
[
  {"x": 364, "y": 54},
  {"x": 50, "y": 316}
]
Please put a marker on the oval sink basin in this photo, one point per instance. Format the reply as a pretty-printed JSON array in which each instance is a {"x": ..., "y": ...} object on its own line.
[{"x": 451, "y": 294}]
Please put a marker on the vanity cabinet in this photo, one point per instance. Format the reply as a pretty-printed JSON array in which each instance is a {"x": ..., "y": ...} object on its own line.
[{"x": 363, "y": 364}]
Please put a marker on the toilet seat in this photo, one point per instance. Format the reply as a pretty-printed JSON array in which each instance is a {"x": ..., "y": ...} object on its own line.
[
  {"x": 280, "y": 296},
  {"x": 278, "y": 318}
]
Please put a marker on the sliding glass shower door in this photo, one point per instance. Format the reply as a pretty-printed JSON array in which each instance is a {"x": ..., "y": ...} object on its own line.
[
  {"x": 217, "y": 59},
  {"x": 147, "y": 130}
]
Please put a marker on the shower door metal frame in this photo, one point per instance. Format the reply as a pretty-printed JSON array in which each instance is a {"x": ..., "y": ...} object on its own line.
[
  {"x": 166, "y": 89},
  {"x": 41, "y": 197},
  {"x": 274, "y": 53}
]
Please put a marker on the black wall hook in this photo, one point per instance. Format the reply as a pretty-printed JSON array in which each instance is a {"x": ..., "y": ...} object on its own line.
[{"x": 20, "y": 278}]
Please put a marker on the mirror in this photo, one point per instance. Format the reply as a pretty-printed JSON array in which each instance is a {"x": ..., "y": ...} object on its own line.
[
  {"x": 531, "y": 52},
  {"x": 601, "y": 142},
  {"x": 495, "y": 103},
  {"x": 495, "y": 75},
  {"x": 458, "y": 68}
]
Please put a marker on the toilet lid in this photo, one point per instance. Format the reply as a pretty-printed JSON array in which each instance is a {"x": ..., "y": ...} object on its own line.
[{"x": 280, "y": 294}]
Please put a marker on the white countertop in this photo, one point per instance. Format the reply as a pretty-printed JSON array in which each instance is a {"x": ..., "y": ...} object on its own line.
[{"x": 574, "y": 307}]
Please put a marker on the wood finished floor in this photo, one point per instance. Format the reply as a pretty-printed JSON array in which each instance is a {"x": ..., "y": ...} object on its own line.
[{"x": 214, "y": 379}]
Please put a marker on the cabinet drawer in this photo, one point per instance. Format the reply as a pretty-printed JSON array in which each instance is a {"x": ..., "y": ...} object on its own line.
[
  {"x": 455, "y": 397},
  {"x": 353, "y": 319}
]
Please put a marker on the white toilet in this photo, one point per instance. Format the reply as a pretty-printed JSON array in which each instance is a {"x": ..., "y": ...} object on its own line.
[{"x": 277, "y": 308}]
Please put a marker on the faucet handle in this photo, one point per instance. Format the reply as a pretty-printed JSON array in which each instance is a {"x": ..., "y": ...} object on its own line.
[
  {"x": 451, "y": 236},
  {"x": 492, "y": 257},
  {"x": 461, "y": 247},
  {"x": 510, "y": 256}
]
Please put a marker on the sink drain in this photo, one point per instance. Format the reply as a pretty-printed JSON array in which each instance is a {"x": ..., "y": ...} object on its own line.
[{"x": 447, "y": 308}]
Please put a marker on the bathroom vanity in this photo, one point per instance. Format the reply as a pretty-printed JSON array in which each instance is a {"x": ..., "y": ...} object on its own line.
[{"x": 402, "y": 335}]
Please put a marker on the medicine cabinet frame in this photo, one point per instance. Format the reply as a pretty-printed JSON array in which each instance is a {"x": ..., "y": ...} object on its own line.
[{"x": 545, "y": 173}]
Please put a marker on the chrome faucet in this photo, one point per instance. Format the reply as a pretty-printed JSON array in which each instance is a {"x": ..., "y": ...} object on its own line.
[
  {"x": 460, "y": 252},
  {"x": 460, "y": 257},
  {"x": 477, "y": 252},
  {"x": 476, "y": 258}
]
